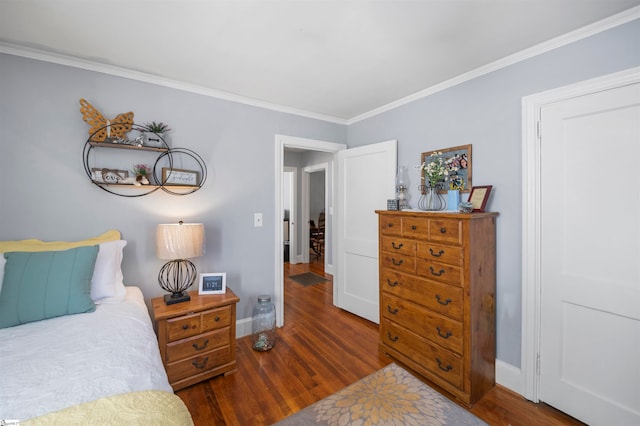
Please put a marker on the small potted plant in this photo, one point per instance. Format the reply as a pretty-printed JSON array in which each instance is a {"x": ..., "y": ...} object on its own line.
[
  {"x": 143, "y": 174},
  {"x": 153, "y": 134}
]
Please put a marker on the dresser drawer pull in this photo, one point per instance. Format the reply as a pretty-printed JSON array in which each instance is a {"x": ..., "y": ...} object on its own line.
[
  {"x": 200, "y": 366},
  {"x": 391, "y": 283},
  {"x": 185, "y": 327},
  {"x": 437, "y": 274},
  {"x": 199, "y": 348},
  {"x": 216, "y": 319},
  {"x": 439, "y": 299},
  {"x": 413, "y": 228},
  {"x": 392, "y": 338},
  {"x": 443, "y": 230},
  {"x": 444, "y": 336},
  {"x": 393, "y": 244},
  {"x": 440, "y": 253},
  {"x": 392, "y": 311},
  {"x": 397, "y": 263},
  {"x": 447, "y": 368},
  {"x": 389, "y": 225}
]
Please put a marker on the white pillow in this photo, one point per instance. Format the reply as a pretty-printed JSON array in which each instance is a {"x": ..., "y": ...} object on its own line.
[
  {"x": 107, "y": 285},
  {"x": 2, "y": 262}
]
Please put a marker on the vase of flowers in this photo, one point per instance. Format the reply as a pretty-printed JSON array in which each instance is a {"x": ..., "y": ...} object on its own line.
[
  {"x": 154, "y": 134},
  {"x": 436, "y": 173},
  {"x": 143, "y": 174}
]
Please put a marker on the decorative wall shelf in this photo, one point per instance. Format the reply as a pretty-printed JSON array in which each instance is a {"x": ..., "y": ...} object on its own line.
[{"x": 163, "y": 173}]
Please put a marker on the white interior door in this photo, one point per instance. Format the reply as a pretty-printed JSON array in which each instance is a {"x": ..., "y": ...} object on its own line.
[
  {"x": 365, "y": 180},
  {"x": 590, "y": 256}
]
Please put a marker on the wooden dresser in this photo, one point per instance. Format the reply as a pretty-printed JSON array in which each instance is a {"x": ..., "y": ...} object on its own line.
[
  {"x": 197, "y": 338},
  {"x": 437, "y": 297}
]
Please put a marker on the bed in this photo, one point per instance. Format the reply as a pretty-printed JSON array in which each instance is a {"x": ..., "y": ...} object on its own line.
[{"x": 94, "y": 367}]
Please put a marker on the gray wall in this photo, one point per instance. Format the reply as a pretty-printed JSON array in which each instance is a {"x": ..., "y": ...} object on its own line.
[
  {"x": 44, "y": 192},
  {"x": 486, "y": 112}
]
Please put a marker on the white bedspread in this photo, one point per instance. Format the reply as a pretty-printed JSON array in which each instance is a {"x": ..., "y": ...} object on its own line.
[{"x": 53, "y": 364}]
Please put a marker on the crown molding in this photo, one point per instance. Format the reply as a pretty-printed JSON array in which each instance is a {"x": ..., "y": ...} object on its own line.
[
  {"x": 563, "y": 40},
  {"x": 560, "y": 41},
  {"x": 70, "y": 61}
]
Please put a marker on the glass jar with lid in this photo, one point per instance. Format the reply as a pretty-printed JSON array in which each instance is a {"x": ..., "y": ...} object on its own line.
[{"x": 263, "y": 324}]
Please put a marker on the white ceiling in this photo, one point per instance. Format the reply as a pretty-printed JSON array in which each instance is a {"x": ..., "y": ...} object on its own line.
[{"x": 335, "y": 59}]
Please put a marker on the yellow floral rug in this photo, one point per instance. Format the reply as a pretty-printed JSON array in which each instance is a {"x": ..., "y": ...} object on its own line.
[{"x": 390, "y": 396}]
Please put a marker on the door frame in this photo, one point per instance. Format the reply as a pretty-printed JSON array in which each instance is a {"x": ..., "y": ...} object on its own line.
[
  {"x": 306, "y": 205},
  {"x": 532, "y": 218},
  {"x": 282, "y": 141},
  {"x": 293, "y": 214}
]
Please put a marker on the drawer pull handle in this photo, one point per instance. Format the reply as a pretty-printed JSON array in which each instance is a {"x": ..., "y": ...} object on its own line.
[
  {"x": 391, "y": 284},
  {"x": 199, "y": 348},
  {"x": 437, "y": 274},
  {"x": 392, "y": 338},
  {"x": 216, "y": 319},
  {"x": 447, "y": 368},
  {"x": 444, "y": 336},
  {"x": 185, "y": 327},
  {"x": 413, "y": 228},
  {"x": 392, "y": 311},
  {"x": 440, "y": 253},
  {"x": 443, "y": 230},
  {"x": 397, "y": 263},
  {"x": 389, "y": 225},
  {"x": 398, "y": 247},
  {"x": 200, "y": 366},
  {"x": 439, "y": 299}
]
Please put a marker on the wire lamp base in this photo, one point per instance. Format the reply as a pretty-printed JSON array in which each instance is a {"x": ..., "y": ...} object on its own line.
[{"x": 176, "y": 276}]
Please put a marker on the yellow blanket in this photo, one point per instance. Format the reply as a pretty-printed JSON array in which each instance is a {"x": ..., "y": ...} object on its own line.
[{"x": 134, "y": 408}]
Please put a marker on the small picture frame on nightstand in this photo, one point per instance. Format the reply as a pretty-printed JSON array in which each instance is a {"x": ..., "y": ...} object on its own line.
[{"x": 213, "y": 283}]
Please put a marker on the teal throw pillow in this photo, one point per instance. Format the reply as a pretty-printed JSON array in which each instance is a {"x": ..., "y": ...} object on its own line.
[{"x": 47, "y": 284}]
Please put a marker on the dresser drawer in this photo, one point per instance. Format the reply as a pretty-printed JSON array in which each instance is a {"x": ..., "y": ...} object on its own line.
[
  {"x": 398, "y": 261},
  {"x": 439, "y": 361},
  {"x": 442, "y": 272},
  {"x": 216, "y": 318},
  {"x": 415, "y": 227},
  {"x": 196, "y": 345},
  {"x": 390, "y": 225},
  {"x": 445, "y": 230},
  {"x": 435, "y": 327},
  {"x": 441, "y": 298},
  {"x": 199, "y": 364},
  {"x": 440, "y": 253},
  {"x": 182, "y": 327},
  {"x": 398, "y": 245}
]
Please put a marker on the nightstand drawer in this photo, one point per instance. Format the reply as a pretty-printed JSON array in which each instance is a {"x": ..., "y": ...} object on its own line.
[
  {"x": 216, "y": 318},
  {"x": 199, "y": 364},
  {"x": 182, "y": 327},
  {"x": 197, "y": 345}
]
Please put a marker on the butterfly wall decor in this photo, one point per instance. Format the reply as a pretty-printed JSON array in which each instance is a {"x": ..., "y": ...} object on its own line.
[{"x": 101, "y": 128}]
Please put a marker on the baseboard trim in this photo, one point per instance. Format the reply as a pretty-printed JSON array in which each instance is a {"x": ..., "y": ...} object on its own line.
[{"x": 509, "y": 376}]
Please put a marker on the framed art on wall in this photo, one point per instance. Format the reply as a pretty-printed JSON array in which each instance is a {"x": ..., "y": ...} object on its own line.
[
  {"x": 457, "y": 162},
  {"x": 213, "y": 283}
]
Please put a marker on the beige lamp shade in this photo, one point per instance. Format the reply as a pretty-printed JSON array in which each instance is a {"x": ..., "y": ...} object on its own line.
[{"x": 179, "y": 240}]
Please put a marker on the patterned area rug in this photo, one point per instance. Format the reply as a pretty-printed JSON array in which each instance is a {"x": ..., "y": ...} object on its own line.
[
  {"x": 308, "y": 278},
  {"x": 391, "y": 396}
]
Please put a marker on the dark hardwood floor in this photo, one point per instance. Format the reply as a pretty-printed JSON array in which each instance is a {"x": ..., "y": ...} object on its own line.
[{"x": 320, "y": 350}]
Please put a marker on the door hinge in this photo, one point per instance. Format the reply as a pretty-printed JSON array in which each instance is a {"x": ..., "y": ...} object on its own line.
[
  {"x": 539, "y": 129},
  {"x": 538, "y": 364}
]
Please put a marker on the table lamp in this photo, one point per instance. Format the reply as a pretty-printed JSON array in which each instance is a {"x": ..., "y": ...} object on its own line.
[{"x": 178, "y": 242}]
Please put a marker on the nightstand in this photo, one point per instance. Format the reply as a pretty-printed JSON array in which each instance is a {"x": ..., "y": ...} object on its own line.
[{"x": 197, "y": 338}]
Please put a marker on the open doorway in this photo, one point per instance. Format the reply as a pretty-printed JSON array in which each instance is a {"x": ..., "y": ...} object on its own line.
[{"x": 314, "y": 150}]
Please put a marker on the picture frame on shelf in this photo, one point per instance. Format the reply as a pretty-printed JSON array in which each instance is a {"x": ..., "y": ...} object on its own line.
[
  {"x": 110, "y": 176},
  {"x": 180, "y": 177},
  {"x": 455, "y": 157},
  {"x": 212, "y": 283},
  {"x": 479, "y": 196}
]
